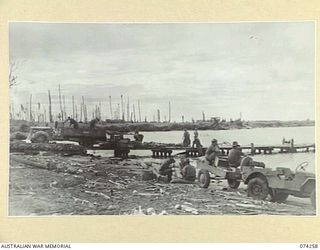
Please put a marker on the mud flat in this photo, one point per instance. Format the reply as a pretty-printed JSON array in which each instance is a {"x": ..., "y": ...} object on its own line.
[{"x": 89, "y": 185}]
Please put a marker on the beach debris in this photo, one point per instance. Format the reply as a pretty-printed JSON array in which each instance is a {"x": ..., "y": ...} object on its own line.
[
  {"x": 71, "y": 149},
  {"x": 113, "y": 207},
  {"x": 138, "y": 211},
  {"x": 164, "y": 212},
  {"x": 118, "y": 185},
  {"x": 83, "y": 202},
  {"x": 69, "y": 181},
  {"x": 187, "y": 209},
  {"x": 147, "y": 194},
  {"x": 98, "y": 194},
  {"x": 72, "y": 170},
  {"x": 151, "y": 211},
  {"x": 35, "y": 164}
]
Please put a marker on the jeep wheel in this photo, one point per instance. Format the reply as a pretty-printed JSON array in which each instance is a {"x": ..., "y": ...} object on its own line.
[
  {"x": 234, "y": 183},
  {"x": 204, "y": 178},
  {"x": 313, "y": 198},
  {"x": 258, "y": 188},
  {"x": 278, "y": 196}
]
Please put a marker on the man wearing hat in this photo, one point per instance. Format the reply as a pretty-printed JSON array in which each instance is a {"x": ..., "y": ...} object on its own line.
[
  {"x": 166, "y": 169},
  {"x": 234, "y": 156},
  {"x": 186, "y": 138},
  {"x": 188, "y": 171},
  {"x": 212, "y": 152}
]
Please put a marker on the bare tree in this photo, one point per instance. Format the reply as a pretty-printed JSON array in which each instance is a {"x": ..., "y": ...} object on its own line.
[
  {"x": 14, "y": 66},
  {"x": 12, "y": 74}
]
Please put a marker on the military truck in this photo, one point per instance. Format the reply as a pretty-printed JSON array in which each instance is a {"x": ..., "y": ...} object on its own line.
[
  {"x": 62, "y": 131},
  {"x": 99, "y": 136}
]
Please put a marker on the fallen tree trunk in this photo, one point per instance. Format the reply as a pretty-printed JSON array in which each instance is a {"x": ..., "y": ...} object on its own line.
[
  {"x": 51, "y": 147},
  {"x": 16, "y": 158}
]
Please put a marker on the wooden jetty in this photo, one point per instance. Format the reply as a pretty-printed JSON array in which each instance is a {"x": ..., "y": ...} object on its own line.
[
  {"x": 162, "y": 150},
  {"x": 166, "y": 151}
]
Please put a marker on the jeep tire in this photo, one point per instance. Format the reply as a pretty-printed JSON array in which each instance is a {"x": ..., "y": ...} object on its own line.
[
  {"x": 204, "y": 178},
  {"x": 258, "y": 188}
]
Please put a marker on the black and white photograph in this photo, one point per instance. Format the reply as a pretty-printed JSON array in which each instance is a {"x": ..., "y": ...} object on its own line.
[{"x": 162, "y": 119}]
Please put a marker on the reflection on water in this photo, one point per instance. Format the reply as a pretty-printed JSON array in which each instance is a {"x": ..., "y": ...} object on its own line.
[{"x": 259, "y": 136}]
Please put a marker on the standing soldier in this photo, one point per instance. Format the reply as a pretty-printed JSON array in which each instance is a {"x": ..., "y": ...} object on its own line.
[{"x": 186, "y": 139}]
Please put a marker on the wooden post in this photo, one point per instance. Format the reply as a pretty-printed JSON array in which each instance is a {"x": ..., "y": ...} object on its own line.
[
  {"x": 30, "y": 109},
  {"x": 44, "y": 115},
  {"x": 134, "y": 113},
  {"x": 83, "y": 117},
  {"x": 60, "y": 102},
  {"x": 64, "y": 107},
  {"x": 110, "y": 103},
  {"x": 85, "y": 113},
  {"x": 73, "y": 107},
  {"x": 158, "y": 113},
  {"x": 252, "y": 149},
  {"x": 122, "y": 108},
  {"x": 169, "y": 120},
  {"x": 50, "y": 108},
  {"x": 39, "y": 111},
  {"x": 292, "y": 149},
  {"x": 139, "y": 110},
  {"x": 76, "y": 106},
  {"x": 128, "y": 110},
  {"x": 81, "y": 111}
]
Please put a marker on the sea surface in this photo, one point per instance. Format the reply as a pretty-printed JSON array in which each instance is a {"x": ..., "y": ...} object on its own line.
[{"x": 258, "y": 136}]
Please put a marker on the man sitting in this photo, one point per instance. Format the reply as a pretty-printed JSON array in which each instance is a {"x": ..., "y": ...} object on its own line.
[
  {"x": 72, "y": 122},
  {"x": 187, "y": 172},
  {"x": 234, "y": 156},
  {"x": 212, "y": 152},
  {"x": 166, "y": 169}
]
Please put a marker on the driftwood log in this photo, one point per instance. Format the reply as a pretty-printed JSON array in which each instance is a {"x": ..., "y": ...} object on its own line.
[
  {"x": 51, "y": 147},
  {"x": 35, "y": 164}
]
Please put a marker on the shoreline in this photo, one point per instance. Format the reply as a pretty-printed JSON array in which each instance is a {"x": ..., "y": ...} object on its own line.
[
  {"x": 15, "y": 125},
  {"x": 86, "y": 185}
]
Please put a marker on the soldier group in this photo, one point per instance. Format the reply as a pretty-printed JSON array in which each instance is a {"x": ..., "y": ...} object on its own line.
[{"x": 186, "y": 170}]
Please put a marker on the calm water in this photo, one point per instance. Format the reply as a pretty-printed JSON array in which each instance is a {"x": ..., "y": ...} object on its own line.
[{"x": 258, "y": 136}]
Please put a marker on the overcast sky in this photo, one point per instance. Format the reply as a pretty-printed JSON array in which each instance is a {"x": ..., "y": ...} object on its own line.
[{"x": 264, "y": 70}]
